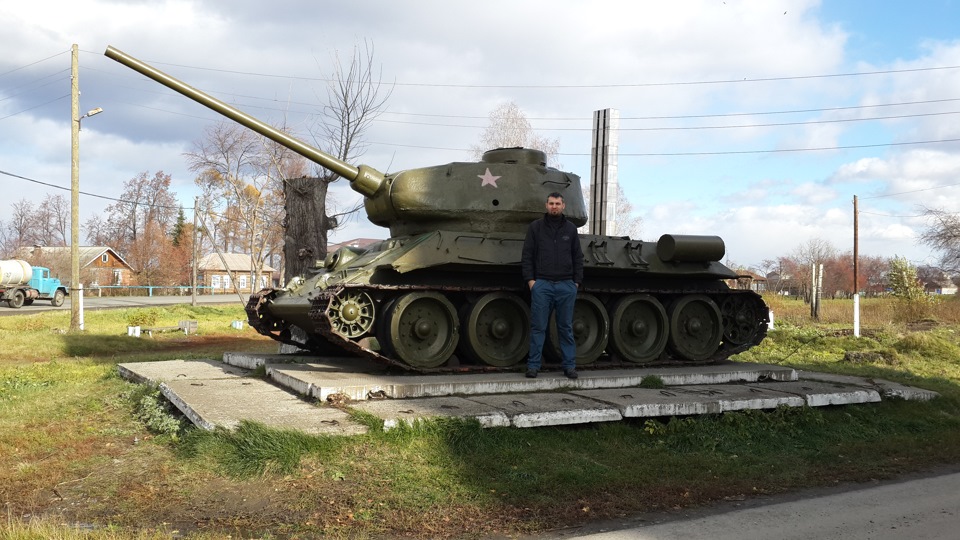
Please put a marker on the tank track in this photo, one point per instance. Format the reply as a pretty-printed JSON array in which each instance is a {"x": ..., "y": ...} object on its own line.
[{"x": 264, "y": 323}]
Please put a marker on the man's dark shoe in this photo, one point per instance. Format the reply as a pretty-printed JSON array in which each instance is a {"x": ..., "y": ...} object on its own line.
[
  {"x": 570, "y": 373},
  {"x": 531, "y": 374}
]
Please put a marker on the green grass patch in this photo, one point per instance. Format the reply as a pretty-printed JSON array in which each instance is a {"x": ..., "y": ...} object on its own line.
[{"x": 79, "y": 442}]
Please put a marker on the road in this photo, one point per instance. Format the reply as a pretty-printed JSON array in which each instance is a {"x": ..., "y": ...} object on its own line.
[
  {"x": 921, "y": 508},
  {"x": 107, "y": 302}
]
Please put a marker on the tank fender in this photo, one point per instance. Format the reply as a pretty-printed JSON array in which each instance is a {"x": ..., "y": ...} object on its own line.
[{"x": 690, "y": 248}]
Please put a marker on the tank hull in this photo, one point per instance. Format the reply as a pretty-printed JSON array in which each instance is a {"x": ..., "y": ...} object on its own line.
[{"x": 455, "y": 301}]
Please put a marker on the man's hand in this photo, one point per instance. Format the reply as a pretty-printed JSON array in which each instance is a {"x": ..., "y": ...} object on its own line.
[{"x": 530, "y": 283}]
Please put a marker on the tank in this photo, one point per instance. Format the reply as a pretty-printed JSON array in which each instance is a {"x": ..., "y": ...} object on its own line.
[
  {"x": 14, "y": 272},
  {"x": 444, "y": 292}
]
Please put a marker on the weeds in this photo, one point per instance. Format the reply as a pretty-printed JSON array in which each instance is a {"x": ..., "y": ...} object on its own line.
[{"x": 156, "y": 412}]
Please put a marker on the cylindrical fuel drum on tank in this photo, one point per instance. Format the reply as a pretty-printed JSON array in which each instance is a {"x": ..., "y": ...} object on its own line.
[{"x": 690, "y": 248}]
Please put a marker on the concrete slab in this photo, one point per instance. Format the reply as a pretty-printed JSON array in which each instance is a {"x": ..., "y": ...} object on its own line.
[
  {"x": 170, "y": 370},
  {"x": 819, "y": 393},
  {"x": 321, "y": 381},
  {"x": 396, "y": 411},
  {"x": 550, "y": 409},
  {"x": 886, "y": 388},
  {"x": 252, "y": 361},
  {"x": 687, "y": 400},
  {"x": 212, "y": 394},
  {"x": 226, "y": 402}
]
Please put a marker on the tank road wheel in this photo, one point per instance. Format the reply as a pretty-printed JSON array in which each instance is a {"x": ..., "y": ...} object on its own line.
[
  {"x": 695, "y": 327},
  {"x": 421, "y": 329},
  {"x": 351, "y": 313},
  {"x": 16, "y": 301},
  {"x": 57, "y": 299},
  {"x": 591, "y": 330},
  {"x": 739, "y": 319},
  {"x": 638, "y": 328},
  {"x": 496, "y": 329}
]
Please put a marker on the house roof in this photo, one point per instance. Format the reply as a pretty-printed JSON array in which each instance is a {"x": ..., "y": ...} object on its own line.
[
  {"x": 88, "y": 254},
  {"x": 236, "y": 262}
]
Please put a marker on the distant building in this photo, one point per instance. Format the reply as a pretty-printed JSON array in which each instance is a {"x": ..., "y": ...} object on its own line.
[
  {"x": 212, "y": 273},
  {"x": 748, "y": 281},
  {"x": 99, "y": 265}
]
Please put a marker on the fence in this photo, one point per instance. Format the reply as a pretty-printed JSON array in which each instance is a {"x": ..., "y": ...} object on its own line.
[{"x": 155, "y": 290}]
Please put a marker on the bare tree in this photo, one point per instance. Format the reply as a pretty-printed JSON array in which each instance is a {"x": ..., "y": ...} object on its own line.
[
  {"x": 628, "y": 223},
  {"x": 356, "y": 96},
  {"x": 20, "y": 230},
  {"x": 145, "y": 201},
  {"x": 241, "y": 177},
  {"x": 943, "y": 235},
  {"x": 815, "y": 251},
  {"x": 508, "y": 128}
]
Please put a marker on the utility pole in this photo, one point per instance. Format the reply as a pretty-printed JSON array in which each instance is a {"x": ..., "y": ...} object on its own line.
[
  {"x": 75, "y": 291},
  {"x": 856, "y": 269},
  {"x": 76, "y": 288},
  {"x": 195, "y": 250},
  {"x": 856, "y": 246}
]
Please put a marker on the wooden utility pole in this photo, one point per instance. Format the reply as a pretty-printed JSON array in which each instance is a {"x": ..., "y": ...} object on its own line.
[
  {"x": 195, "y": 252},
  {"x": 856, "y": 247},
  {"x": 75, "y": 291}
]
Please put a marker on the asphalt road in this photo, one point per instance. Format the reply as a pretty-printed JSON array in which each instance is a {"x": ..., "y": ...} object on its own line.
[
  {"x": 107, "y": 302},
  {"x": 921, "y": 508}
]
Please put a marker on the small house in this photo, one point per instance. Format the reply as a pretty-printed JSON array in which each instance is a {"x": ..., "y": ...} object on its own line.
[{"x": 219, "y": 273}]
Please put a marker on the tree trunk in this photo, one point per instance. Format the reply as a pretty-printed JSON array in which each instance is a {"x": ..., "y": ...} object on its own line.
[{"x": 306, "y": 226}]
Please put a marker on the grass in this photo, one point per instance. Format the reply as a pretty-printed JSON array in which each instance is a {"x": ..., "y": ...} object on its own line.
[{"x": 75, "y": 446}]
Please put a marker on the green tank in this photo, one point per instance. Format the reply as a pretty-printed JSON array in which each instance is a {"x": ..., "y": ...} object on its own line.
[{"x": 444, "y": 291}]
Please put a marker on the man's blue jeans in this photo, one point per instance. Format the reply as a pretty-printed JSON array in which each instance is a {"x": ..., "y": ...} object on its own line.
[{"x": 547, "y": 296}]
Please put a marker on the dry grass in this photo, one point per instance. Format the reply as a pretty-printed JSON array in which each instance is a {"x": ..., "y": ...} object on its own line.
[{"x": 874, "y": 312}]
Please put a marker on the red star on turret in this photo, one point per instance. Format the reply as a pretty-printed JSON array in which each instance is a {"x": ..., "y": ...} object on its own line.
[{"x": 488, "y": 179}]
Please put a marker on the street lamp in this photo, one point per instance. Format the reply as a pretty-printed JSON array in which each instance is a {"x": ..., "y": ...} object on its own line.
[{"x": 76, "y": 288}]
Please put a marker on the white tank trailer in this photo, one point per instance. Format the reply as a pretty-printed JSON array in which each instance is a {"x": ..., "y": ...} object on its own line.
[{"x": 21, "y": 284}]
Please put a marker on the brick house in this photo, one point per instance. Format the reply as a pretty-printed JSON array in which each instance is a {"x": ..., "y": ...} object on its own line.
[{"x": 99, "y": 265}]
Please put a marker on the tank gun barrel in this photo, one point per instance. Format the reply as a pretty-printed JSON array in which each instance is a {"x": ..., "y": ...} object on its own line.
[{"x": 363, "y": 179}]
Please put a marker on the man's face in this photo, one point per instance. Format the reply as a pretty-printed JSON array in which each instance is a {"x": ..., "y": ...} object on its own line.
[{"x": 554, "y": 206}]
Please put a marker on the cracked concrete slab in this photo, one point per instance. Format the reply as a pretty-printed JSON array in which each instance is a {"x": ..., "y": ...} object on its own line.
[{"x": 396, "y": 411}]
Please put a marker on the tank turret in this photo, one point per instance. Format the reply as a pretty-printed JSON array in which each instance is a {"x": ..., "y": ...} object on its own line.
[{"x": 444, "y": 292}]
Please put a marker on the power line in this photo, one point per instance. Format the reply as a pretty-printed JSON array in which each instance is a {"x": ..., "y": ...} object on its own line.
[
  {"x": 728, "y": 152},
  {"x": 54, "y": 186},
  {"x": 33, "y": 63},
  {"x": 34, "y": 107},
  {"x": 908, "y": 192},
  {"x": 670, "y": 128},
  {"x": 564, "y": 86}
]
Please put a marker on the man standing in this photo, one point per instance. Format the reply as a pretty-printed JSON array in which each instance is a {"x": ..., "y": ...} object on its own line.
[{"x": 552, "y": 266}]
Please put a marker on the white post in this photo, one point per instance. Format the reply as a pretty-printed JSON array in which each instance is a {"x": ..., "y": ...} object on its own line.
[
  {"x": 770, "y": 322},
  {"x": 856, "y": 315},
  {"x": 80, "y": 303}
]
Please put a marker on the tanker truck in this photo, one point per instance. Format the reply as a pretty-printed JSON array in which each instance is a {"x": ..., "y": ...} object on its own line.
[{"x": 21, "y": 284}]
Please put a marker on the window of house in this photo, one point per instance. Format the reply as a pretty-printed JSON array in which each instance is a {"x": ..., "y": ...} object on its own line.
[
  {"x": 226, "y": 281},
  {"x": 243, "y": 282},
  {"x": 104, "y": 258},
  {"x": 215, "y": 281},
  {"x": 117, "y": 276}
]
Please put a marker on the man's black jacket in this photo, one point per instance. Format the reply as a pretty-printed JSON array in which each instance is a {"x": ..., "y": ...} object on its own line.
[{"x": 552, "y": 250}]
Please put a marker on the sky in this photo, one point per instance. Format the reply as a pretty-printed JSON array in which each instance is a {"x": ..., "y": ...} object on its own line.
[{"x": 755, "y": 120}]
